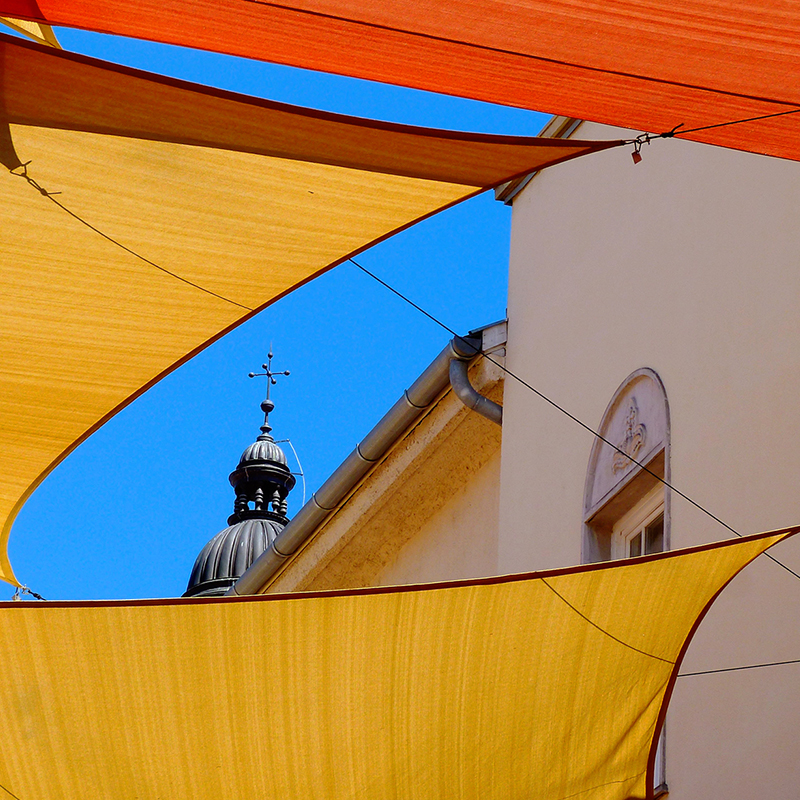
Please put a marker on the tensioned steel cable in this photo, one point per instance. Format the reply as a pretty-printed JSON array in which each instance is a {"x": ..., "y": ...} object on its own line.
[
  {"x": 566, "y": 413},
  {"x": 646, "y": 138},
  {"x": 601, "y": 629},
  {"x": 736, "y": 122},
  {"x": 738, "y": 669},
  {"x": 9, "y": 792},
  {"x": 22, "y": 172}
]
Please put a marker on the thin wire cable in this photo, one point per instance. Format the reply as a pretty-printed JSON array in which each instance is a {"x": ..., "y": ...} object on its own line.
[
  {"x": 738, "y": 669},
  {"x": 299, "y": 465},
  {"x": 21, "y": 590},
  {"x": 646, "y": 138},
  {"x": 736, "y": 122},
  {"x": 548, "y": 400},
  {"x": 603, "y": 630},
  {"x": 569, "y": 415},
  {"x": 9, "y": 792},
  {"x": 49, "y": 196}
]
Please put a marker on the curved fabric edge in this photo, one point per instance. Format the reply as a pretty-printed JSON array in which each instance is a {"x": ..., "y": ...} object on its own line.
[
  {"x": 770, "y": 539},
  {"x": 91, "y": 655},
  {"x": 39, "y": 90},
  {"x": 48, "y": 89},
  {"x": 6, "y": 570}
]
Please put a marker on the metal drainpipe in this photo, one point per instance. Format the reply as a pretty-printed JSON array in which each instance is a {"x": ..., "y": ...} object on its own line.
[
  {"x": 450, "y": 366},
  {"x": 469, "y": 396}
]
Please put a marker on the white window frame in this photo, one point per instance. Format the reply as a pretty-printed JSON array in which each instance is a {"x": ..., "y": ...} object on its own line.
[{"x": 635, "y": 521}]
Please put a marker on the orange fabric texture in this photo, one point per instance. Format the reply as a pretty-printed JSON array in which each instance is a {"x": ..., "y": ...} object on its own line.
[
  {"x": 544, "y": 686},
  {"x": 643, "y": 64},
  {"x": 204, "y": 207}
]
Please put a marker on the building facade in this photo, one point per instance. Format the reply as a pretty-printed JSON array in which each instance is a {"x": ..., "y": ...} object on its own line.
[
  {"x": 682, "y": 268},
  {"x": 657, "y": 303}
]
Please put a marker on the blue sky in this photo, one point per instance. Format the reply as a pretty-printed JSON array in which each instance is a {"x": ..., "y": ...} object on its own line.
[{"x": 126, "y": 514}]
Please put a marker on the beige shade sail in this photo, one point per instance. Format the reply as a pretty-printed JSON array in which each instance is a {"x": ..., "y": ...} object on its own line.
[
  {"x": 143, "y": 217},
  {"x": 551, "y": 685}
]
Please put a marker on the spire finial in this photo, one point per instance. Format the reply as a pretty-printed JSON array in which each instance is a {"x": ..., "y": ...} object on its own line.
[{"x": 267, "y": 405}]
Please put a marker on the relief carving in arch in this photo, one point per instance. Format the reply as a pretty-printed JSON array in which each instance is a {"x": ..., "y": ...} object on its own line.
[{"x": 637, "y": 422}]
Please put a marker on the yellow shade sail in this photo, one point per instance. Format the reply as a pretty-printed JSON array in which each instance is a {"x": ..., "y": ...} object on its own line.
[
  {"x": 37, "y": 31},
  {"x": 550, "y": 686},
  {"x": 143, "y": 217}
]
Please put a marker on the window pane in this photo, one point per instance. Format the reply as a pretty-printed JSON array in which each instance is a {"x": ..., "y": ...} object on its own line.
[
  {"x": 654, "y": 534},
  {"x": 635, "y": 547}
]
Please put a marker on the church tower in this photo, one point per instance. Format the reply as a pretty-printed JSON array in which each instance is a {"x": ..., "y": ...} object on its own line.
[{"x": 261, "y": 482}]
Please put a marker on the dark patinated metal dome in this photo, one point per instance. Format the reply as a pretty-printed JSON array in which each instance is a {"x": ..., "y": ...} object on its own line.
[
  {"x": 263, "y": 449},
  {"x": 262, "y": 480},
  {"x": 228, "y": 555}
]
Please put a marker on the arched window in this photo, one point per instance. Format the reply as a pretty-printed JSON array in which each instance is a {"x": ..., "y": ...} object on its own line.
[{"x": 625, "y": 508}]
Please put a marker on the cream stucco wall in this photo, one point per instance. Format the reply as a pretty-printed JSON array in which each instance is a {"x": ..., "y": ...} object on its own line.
[
  {"x": 687, "y": 263},
  {"x": 460, "y": 540},
  {"x": 428, "y": 511}
]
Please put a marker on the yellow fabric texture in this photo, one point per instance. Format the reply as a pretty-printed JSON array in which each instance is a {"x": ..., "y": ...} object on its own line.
[
  {"x": 37, "y": 31},
  {"x": 227, "y": 203},
  {"x": 546, "y": 686}
]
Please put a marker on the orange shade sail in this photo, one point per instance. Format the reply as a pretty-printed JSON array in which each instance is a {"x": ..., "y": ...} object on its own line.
[
  {"x": 643, "y": 64},
  {"x": 143, "y": 217},
  {"x": 545, "y": 686}
]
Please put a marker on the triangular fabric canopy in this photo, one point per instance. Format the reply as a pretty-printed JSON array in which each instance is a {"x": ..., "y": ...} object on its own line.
[
  {"x": 642, "y": 64},
  {"x": 550, "y": 686},
  {"x": 177, "y": 212}
]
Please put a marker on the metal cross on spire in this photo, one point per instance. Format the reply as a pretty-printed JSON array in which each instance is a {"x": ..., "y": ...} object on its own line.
[{"x": 270, "y": 375}]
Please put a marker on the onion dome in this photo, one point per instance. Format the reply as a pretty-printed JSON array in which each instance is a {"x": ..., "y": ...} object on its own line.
[
  {"x": 262, "y": 477},
  {"x": 228, "y": 555},
  {"x": 263, "y": 449},
  {"x": 261, "y": 481}
]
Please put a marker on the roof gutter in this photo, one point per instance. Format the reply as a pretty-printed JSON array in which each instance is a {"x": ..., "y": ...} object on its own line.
[{"x": 450, "y": 366}]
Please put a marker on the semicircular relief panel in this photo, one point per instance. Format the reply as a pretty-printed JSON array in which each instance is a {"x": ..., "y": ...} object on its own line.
[{"x": 637, "y": 422}]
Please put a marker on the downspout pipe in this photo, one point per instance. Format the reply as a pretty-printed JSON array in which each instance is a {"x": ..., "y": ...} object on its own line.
[
  {"x": 416, "y": 399},
  {"x": 469, "y": 396}
]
